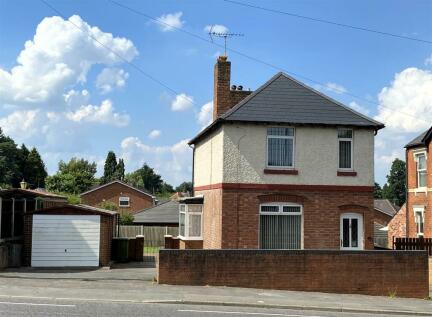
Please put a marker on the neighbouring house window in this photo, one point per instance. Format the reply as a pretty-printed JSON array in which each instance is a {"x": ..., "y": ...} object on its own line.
[
  {"x": 190, "y": 221},
  {"x": 280, "y": 147},
  {"x": 419, "y": 221},
  {"x": 124, "y": 201},
  {"x": 345, "y": 137},
  {"x": 280, "y": 226},
  {"x": 421, "y": 170}
]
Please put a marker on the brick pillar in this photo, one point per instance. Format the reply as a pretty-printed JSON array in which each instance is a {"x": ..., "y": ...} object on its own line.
[
  {"x": 27, "y": 245},
  {"x": 222, "y": 78}
]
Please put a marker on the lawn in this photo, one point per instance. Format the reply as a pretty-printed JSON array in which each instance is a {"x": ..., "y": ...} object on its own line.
[{"x": 148, "y": 250}]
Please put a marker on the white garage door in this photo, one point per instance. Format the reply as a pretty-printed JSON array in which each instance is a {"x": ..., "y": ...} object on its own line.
[{"x": 65, "y": 240}]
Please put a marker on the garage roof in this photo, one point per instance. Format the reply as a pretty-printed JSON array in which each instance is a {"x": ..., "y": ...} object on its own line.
[{"x": 79, "y": 209}]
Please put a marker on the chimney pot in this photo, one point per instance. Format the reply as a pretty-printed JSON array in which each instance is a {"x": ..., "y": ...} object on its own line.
[
  {"x": 233, "y": 87},
  {"x": 240, "y": 87}
]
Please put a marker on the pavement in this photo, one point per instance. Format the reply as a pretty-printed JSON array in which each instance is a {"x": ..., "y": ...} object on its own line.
[{"x": 133, "y": 284}]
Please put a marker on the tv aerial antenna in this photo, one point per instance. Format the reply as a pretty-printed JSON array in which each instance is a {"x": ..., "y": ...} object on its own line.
[{"x": 224, "y": 35}]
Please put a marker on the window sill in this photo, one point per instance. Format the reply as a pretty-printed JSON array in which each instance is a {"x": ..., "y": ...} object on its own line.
[
  {"x": 347, "y": 173},
  {"x": 190, "y": 238},
  {"x": 281, "y": 171}
]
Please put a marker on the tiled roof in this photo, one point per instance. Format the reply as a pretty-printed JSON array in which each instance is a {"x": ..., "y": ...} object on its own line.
[
  {"x": 421, "y": 139},
  {"x": 385, "y": 206},
  {"x": 284, "y": 99},
  {"x": 164, "y": 213}
]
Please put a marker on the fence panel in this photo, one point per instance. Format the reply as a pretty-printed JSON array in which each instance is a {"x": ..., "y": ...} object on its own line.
[
  {"x": 413, "y": 244},
  {"x": 154, "y": 236},
  {"x": 130, "y": 231}
]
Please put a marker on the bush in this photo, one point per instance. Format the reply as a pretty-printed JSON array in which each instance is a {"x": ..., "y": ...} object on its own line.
[
  {"x": 126, "y": 220},
  {"x": 108, "y": 206}
]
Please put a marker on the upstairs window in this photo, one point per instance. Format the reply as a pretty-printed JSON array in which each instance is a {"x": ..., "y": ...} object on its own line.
[
  {"x": 280, "y": 147},
  {"x": 345, "y": 137},
  {"x": 421, "y": 170},
  {"x": 124, "y": 201},
  {"x": 190, "y": 221}
]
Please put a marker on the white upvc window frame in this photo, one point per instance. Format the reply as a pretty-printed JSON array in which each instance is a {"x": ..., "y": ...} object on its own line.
[
  {"x": 351, "y": 140},
  {"x": 124, "y": 198},
  {"x": 418, "y": 171},
  {"x": 184, "y": 209},
  {"x": 292, "y": 137},
  {"x": 280, "y": 206},
  {"x": 420, "y": 211},
  {"x": 360, "y": 230}
]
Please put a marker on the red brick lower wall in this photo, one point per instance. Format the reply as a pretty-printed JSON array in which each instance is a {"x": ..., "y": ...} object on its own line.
[
  {"x": 231, "y": 216},
  {"x": 399, "y": 273}
]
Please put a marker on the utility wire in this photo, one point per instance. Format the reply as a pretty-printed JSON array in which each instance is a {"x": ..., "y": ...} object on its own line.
[
  {"x": 133, "y": 65},
  {"x": 358, "y": 28},
  {"x": 257, "y": 59}
]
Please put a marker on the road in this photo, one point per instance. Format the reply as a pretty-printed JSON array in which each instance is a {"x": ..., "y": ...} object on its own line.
[{"x": 39, "y": 307}]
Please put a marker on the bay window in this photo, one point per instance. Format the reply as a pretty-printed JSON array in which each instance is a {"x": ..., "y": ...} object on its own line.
[
  {"x": 190, "y": 221},
  {"x": 345, "y": 137},
  {"x": 421, "y": 170},
  {"x": 280, "y": 147}
]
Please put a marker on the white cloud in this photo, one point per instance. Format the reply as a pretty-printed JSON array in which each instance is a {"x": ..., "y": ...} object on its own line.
[
  {"x": 99, "y": 114},
  {"x": 205, "y": 115},
  {"x": 59, "y": 56},
  {"x": 170, "y": 21},
  {"x": 110, "y": 78},
  {"x": 182, "y": 102},
  {"x": 74, "y": 98},
  {"x": 216, "y": 28},
  {"x": 154, "y": 134},
  {"x": 406, "y": 105},
  {"x": 354, "y": 105},
  {"x": 173, "y": 162},
  {"x": 428, "y": 61},
  {"x": 336, "y": 88},
  {"x": 21, "y": 124}
]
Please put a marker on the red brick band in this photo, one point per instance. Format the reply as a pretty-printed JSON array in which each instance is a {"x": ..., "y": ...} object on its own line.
[{"x": 283, "y": 187}]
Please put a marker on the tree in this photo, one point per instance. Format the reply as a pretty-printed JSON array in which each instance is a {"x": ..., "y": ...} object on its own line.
[
  {"x": 126, "y": 219},
  {"x": 10, "y": 173},
  {"x": 34, "y": 171},
  {"x": 109, "y": 168},
  {"x": 73, "y": 177},
  {"x": 146, "y": 178},
  {"x": 120, "y": 170},
  {"x": 395, "y": 189},
  {"x": 378, "y": 192},
  {"x": 185, "y": 187}
]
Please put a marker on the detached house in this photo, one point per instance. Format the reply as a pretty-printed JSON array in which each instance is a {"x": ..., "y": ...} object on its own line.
[
  {"x": 283, "y": 167},
  {"x": 419, "y": 186}
]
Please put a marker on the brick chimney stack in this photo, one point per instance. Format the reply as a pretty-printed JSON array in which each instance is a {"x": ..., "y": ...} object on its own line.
[
  {"x": 222, "y": 79},
  {"x": 224, "y": 97}
]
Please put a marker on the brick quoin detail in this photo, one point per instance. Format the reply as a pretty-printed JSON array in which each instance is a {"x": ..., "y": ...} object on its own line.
[{"x": 404, "y": 273}]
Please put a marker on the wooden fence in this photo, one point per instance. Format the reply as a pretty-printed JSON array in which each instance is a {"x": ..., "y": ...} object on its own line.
[
  {"x": 413, "y": 244},
  {"x": 153, "y": 236}
]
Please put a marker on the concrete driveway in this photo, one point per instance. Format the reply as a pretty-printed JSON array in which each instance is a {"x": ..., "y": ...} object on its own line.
[{"x": 135, "y": 271}]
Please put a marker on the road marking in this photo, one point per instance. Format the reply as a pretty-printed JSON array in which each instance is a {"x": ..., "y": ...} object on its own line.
[
  {"x": 23, "y": 296},
  {"x": 37, "y": 304},
  {"x": 241, "y": 313}
]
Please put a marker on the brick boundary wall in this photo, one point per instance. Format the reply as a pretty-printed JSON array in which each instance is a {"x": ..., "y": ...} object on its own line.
[{"x": 385, "y": 273}]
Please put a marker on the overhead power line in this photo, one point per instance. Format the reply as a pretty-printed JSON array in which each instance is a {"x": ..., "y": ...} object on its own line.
[
  {"x": 358, "y": 28},
  {"x": 133, "y": 65},
  {"x": 202, "y": 38}
]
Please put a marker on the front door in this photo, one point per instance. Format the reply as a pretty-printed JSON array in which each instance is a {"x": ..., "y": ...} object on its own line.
[{"x": 351, "y": 231}]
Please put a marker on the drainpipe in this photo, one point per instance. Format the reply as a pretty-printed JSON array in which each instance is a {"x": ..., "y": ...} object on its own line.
[{"x": 406, "y": 195}]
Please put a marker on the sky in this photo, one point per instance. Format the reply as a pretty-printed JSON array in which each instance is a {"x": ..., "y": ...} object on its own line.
[{"x": 81, "y": 78}]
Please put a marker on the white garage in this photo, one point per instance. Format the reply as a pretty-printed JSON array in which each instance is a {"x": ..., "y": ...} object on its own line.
[{"x": 71, "y": 236}]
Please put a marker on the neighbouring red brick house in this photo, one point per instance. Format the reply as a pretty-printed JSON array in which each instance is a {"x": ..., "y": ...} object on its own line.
[
  {"x": 419, "y": 186},
  {"x": 128, "y": 199},
  {"x": 283, "y": 167},
  {"x": 397, "y": 226}
]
